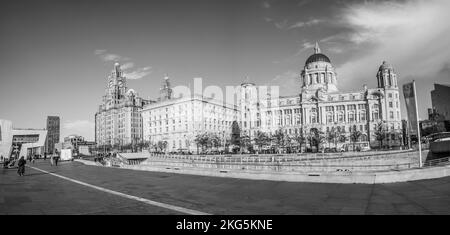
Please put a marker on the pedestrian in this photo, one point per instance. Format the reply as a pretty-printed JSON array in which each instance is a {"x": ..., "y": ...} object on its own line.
[
  {"x": 56, "y": 160},
  {"x": 51, "y": 160},
  {"x": 21, "y": 164},
  {"x": 32, "y": 160},
  {"x": 45, "y": 156},
  {"x": 1, "y": 158}
]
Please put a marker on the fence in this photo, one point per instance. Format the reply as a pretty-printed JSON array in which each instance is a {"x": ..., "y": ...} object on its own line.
[
  {"x": 437, "y": 162},
  {"x": 296, "y": 163}
]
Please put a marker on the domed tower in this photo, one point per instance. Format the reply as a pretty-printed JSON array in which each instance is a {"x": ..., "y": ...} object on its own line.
[
  {"x": 390, "y": 101},
  {"x": 386, "y": 76},
  {"x": 248, "y": 102},
  {"x": 165, "y": 92},
  {"x": 117, "y": 87},
  {"x": 318, "y": 73}
]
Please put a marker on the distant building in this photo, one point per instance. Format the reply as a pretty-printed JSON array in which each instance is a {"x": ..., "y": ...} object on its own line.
[
  {"x": 179, "y": 120},
  {"x": 440, "y": 100},
  {"x": 53, "y": 133},
  {"x": 16, "y": 142},
  {"x": 76, "y": 143},
  {"x": 118, "y": 120}
]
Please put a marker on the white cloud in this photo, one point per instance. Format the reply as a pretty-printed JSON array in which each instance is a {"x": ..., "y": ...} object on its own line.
[
  {"x": 266, "y": 4},
  {"x": 412, "y": 36},
  {"x": 301, "y": 24},
  {"x": 99, "y": 51},
  {"x": 127, "y": 65},
  {"x": 110, "y": 57},
  {"x": 139, "y": 73}
]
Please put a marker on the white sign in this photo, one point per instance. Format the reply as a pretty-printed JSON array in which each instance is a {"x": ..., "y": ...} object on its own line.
[{"x": 66, "y": 154}]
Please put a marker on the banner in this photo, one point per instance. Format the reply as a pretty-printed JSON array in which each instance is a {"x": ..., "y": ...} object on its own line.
[{"x": 410, "y": 100}]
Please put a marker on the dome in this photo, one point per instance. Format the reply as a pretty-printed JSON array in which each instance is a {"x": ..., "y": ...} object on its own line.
[
  {"x": 319, "y": 57},
  {"x": 131, "y": 92},
  {"x": 385, "y": 65}
]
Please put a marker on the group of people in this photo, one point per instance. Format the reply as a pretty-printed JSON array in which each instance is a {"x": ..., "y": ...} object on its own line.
[{"x": 9, "y": 163}]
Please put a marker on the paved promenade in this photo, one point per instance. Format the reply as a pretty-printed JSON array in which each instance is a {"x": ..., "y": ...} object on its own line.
[{"x": 74, "y": 188}]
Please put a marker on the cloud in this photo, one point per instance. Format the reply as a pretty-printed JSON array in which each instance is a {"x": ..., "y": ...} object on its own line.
[
  {"x": 139, "y": 73},
  {"x": 411, "y": 35},
  {"x": 132, "y": 75},
  {"x": 281, "y": 25},
  {"x": 84, "y": 128},
  {"x": 301, "y": 24},
  {"x": 265, "y": 4},
  {"x": 109, "y": 56},
  {"x": 99, "y": 51},
  {"x": 127, "y": 65}
]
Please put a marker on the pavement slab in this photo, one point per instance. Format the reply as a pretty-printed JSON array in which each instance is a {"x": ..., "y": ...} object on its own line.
[{"x": 43, "y": 193}]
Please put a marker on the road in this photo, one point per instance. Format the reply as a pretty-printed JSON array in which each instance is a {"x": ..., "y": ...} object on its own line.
[{"x": 74, "y": 188}]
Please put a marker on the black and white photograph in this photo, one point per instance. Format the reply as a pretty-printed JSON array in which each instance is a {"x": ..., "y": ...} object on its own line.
[{"x": 225, "y": 108}]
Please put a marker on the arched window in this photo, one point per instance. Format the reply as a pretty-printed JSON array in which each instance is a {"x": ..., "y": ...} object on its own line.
[
  {"x": 340, "y": 117},
  {"x": 362, "y": 116},
  {"x": 351, "y": 117},
  {"x": 329, "y": 118},
  {"x": 313, "y": 118},
  {"x": 375, "y": 115}
]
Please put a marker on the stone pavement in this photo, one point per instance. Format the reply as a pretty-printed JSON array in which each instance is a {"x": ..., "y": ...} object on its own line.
[{"x": 42, "y": 193}]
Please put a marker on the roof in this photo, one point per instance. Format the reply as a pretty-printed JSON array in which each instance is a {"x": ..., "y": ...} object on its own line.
[{"x": 319, "y": 57}]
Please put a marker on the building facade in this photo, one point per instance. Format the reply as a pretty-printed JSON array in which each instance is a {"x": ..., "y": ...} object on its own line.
[
  {"x": 53, "y": 133},
  {"x": 440, "y": 97},
  {"x": 18, "y": 142},
  {"x": 321, "y": 106},
  {"x": 118, "y": 120},
  {"x": 178, "y": 121}
]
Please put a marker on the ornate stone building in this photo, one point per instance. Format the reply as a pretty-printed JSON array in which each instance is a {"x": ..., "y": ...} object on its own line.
[
  {"x": 179, "y": 120},
  {"x": 118, "y": 119},
  {"x": 322, "y": 106}
]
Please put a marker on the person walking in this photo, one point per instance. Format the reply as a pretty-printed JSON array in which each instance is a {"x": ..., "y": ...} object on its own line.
[
  {"x": 56, "y": 160},
  {"x": 21, "y": 164}
]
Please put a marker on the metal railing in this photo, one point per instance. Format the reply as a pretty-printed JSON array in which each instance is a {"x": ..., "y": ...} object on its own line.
[
  {"x": 274, "y": 163},
  {"x": 437, "y": 162}
]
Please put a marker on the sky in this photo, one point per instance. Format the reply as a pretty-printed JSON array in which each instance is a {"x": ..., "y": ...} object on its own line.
[{"x": 55, "y": 56}]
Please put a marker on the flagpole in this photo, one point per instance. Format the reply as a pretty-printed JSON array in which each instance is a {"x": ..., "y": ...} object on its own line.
[{"x": 418, "y": 125}]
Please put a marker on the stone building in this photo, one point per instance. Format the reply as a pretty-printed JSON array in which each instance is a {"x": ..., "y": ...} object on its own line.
[
  {"x": 320, "y": 105},
  {"x": 178, "y": 120},
  {"x": 118, "y": 120}
]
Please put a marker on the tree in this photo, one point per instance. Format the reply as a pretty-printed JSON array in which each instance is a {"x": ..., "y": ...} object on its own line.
[
  {"x": 214, "y": 140},
  {"x": 279, "y": 138},
  {"x": 245, "y": 142},
  {"x": 317, "y": 137},
  {"x": 380, "y": 133},
  {"x": 202, "y": 140},
  {"x": 300, "y": 139},
  {"x": 355, "y": 134},
  {"x": 162, "y": 145},
  {"x": 235, "y": 134},
  {"x": 261, "y": 139}
]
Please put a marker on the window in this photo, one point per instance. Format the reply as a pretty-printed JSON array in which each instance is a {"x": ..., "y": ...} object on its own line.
[
  {"x": 375, "y": 115},
  {"x": 362, "y": 116},
  {"x": 390, "y": 105},
  {"x": 329, "y": 118},
  {"x": 351, "y": 117},
  {"x": 341, "y": 117},
  {"x": 391, "y": 115},
  {"x": 390, "y": 95},
  {"x": 313, "y": 119}
]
